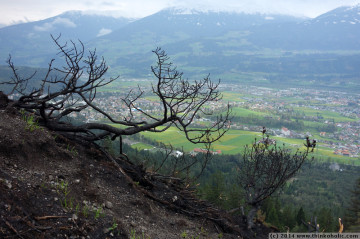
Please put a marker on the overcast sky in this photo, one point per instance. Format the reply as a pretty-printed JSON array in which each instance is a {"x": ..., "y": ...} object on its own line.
[{"x": 16, "y": 11}]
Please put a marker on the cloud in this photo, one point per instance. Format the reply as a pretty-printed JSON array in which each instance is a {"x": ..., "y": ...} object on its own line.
[
  {"x": 310, "y": 8},
  {"x": 48, "y": 26},
  {"x": 269, "y": 18},
  {"x": 13, "y": 11},
  {"x": 106, "y": 3},
  {"x": 104, "y": 31}
]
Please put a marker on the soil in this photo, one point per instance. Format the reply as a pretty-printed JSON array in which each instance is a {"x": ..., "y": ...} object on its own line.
[{"x": 52, "y": 187}]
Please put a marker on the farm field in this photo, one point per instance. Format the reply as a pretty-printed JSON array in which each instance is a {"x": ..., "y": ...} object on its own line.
[
  {"x": 234, "y": 141},
  {"x": 331, "y": 118},
  {"x": 328, "y": 115}
]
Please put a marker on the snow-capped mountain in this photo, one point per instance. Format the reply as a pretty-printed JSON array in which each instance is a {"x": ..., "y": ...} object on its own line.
[
  {"x": 223, "y": 43},
  {"x": 340, "y": 16},
  {"x": 183, "y": 32},
  {"x": 34, "y": 37},
  {"x": 197, "y": 21},
  {"x": 338, "y": 29}
]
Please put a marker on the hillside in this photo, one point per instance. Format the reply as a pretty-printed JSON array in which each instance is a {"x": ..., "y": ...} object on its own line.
[
  {"x": 236, "y": 47},
  {"x": 31, "y": 42},
  {"x": 52, "y": 187}
]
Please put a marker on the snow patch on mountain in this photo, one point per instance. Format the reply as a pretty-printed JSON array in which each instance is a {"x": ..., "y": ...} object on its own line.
[
  {"x": 103, "y": 32},
  {"x": 48, "y": 26},
  {"x": 353, "y": 7},
  {"x": 185, "y": 11}
]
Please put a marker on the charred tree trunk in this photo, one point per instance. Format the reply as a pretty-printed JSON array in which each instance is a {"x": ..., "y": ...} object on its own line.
[{"x": 251, "y": 215}]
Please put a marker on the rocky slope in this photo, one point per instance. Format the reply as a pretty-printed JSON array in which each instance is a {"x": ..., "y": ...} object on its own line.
[{"x": 51, "y": 187}]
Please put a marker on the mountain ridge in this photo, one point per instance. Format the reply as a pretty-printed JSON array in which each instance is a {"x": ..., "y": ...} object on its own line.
[{"x": 228, "y": 45}]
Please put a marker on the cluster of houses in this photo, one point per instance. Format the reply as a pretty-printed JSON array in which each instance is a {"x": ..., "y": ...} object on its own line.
[
  {"x": 346, "y": 138},
  {"x": 204, "y": 151},
  {"x": 263, "y": 100}
]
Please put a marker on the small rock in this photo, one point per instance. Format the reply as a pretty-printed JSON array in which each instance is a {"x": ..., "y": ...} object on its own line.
[
  {"x": 142, "y": 229},
  {"x": 38, "y": 174},
  {"x": 108, "y": 205},
  {"x": 106, "y": 230},
  {"x": 74, "y": 217},
  {"x": 56, "y": 199},
  {"x": 8, "y": 184},
  {"x": 51, "y": 177},
  {"x": 133, "y": 224},
  {"x": 8, "y": 207},
  {"x": 77, "y": 181},
  {"x": 7, "y": 162}
]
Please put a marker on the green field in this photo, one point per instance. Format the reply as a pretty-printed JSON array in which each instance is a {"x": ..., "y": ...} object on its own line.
[
  {"x": 142, "y": 146},
  {"x": 237, "y": 111},
  {"x": 233, "y": 142},
  {"x": 326, "y": 114},
  {"x": 232, "y": 96}
]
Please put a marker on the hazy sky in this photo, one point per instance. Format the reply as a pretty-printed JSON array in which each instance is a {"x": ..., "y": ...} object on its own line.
[{"x": 16, "y": 11}]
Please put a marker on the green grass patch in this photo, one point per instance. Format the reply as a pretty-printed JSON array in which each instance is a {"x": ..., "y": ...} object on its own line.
[
  {"x": 142, "y": 146},
  {"x": 233, "y": 142},
  {"x": 232, "y": 96},
  {"x": 325, "y": 114},
  {"x": 237, "y": 111}
]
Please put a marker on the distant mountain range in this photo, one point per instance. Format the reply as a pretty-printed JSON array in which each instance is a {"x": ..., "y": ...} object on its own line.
[
  {"x": 338, "y": 29},
  {"x": 232, "y": 46},
  {"x": 31, "y": 45}
]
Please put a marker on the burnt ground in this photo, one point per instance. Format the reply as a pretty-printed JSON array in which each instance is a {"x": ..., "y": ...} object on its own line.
[{"x": 51, "y": 187}]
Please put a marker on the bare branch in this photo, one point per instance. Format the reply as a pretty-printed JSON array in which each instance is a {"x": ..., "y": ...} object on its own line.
[{"x": 73, "y": 88}]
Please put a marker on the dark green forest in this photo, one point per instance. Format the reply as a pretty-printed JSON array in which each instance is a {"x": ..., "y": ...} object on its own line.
[{"x": 317, "y": 191}]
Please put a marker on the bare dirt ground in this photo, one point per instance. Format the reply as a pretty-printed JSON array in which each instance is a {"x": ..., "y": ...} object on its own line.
[{"x": 51, "y": 187}]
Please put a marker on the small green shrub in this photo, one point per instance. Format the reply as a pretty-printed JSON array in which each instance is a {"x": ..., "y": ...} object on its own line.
[
  {"x": 133, "y": 235},
  {"x": 85, "y": 211},
  {"x": 98, "y": 213},
  {"x": 77, "y": 209},
  {"x": 72, "y": 150},
  {"x": 113, "y": 226},
  {"x": 31, "y": 123}
]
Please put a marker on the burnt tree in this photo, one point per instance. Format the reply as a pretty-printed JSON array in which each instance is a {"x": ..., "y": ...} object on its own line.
[
  {"x": 263, "y": 169},
  {"x": 78, "y": 81}
]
